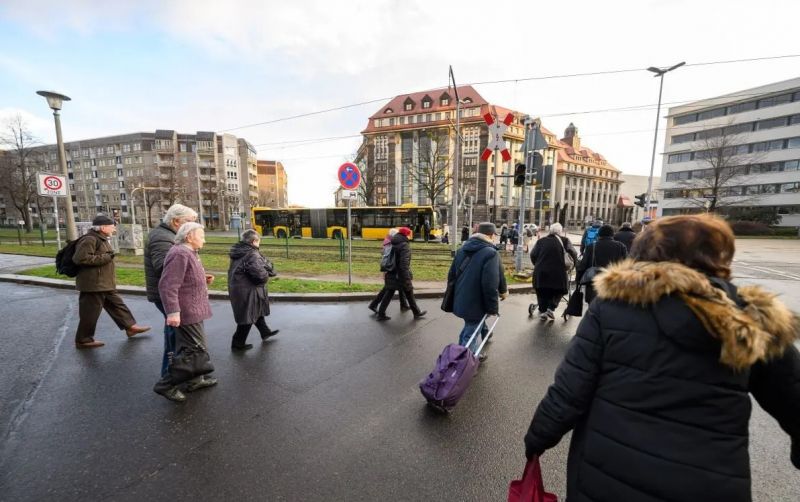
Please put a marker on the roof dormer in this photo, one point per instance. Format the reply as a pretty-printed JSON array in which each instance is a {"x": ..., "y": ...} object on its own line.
[
  {"x": 427, "y": 102},
  {"x": 388, "y": 111},
  {"x": 444, "y": 99},
  {"x": 408, "y": 104},
  {"x": 466, "y": 101}
]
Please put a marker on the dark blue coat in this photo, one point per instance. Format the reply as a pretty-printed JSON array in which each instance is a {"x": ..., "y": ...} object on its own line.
[{"x": 478, "y": 286}]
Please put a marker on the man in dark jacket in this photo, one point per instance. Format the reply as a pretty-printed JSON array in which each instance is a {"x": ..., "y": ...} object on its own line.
[
  {"x": 159, "y": 242},
  {"x": 550, "y": 277},
  {"x": 97, "y": 283},
  {"x": 400, "y": 278},
  {"x": 625, "y": 235},
  {"x": 602, "y": 253},
  {"x": 590, "y": 234},
  {"x": 479, "y": 282}
]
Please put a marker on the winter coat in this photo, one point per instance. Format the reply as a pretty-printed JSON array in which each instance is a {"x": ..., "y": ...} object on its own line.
[
  {"x": 656, "y": 386},
  {"x": 607, "y": 251},
  {"x": 247, "y": 280},
  {"x": 548, "y": 263},
  {"x": 182, "y": 286},
  {"x": 478, "y": 286},
  {"x": 401, "y": 276},
  {"x": 94, "y": 254},
  {"x": 625, "y": 236},
  {"x": 159, "y": 241}
]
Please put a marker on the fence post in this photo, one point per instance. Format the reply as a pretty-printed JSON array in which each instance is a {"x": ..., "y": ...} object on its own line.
[{"x": 341, "y": 250}]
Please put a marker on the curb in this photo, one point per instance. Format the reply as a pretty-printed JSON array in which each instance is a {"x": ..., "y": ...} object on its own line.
[{"x": 223, "y": 295}]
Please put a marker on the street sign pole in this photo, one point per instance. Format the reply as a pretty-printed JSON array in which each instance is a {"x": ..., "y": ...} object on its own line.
[
  {"x": 519, "y": 250},
  {"x": 349, "y": 244},
  {"x": 58, "y": 228},
  {"x": 349, "y": 176}
]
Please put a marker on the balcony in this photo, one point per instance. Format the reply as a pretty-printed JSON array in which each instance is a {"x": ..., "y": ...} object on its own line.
[{"x": 204, "y": 177}]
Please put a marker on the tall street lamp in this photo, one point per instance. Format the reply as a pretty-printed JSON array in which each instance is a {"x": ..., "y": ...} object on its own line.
[
  {"x": 659, "y": 72},
  {"x": 54, "y": 101}
]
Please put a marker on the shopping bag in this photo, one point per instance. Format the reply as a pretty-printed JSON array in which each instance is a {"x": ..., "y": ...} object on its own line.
[
  {"x": 574, "y": 304},
  {"x": 531, "y": 487}
]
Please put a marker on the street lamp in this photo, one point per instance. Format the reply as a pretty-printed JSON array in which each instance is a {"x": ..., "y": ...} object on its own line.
[
  {"x": 54, "y": 101},
  {"x": 659, "y": 72}
]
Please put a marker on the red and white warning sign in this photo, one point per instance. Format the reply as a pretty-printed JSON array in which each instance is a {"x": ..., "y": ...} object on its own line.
[
  {"x": 51, "y": 185},
  {"x": 496, "y": 131}
]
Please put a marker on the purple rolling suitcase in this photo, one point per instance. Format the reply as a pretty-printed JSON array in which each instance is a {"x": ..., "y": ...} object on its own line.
[{"x": 453, "y": 373}]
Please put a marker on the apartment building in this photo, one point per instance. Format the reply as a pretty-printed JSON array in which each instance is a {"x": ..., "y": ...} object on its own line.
[
  {"x": 273, "y": 184},
  {"x": 154, "y": 170},
  {"x": 737, "y": 154}
]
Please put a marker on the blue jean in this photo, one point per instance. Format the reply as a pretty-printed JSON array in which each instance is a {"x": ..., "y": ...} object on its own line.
[
  {"x": 469, "y": 328},
  {"x": 169, "y": 339}
]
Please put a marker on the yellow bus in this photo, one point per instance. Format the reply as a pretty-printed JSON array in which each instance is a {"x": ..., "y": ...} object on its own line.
[{"x": 331, "y": 223}]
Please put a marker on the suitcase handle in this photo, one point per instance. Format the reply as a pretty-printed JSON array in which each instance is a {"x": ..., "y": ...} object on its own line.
[{"x": 488, "y": 333}]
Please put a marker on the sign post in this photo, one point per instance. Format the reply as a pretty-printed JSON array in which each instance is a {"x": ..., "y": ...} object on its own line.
[
  {"x": 349, "y": 176},
  {"x": 54, "y": 186}
]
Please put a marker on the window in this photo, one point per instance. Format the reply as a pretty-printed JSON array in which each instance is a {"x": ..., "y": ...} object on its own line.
[
  {"x": 381, "y": 147},
  {"x": 794, "y": 119},
  {"x": 769, "y": 188},
  {"x": 790, "y": 187},
  {"x": 775, "y": 100},
  {"x": 119, "y": 172},
  {"x": 710, "y": 114},
  {"x": 793, "y": 143},
  {"x": 408, "y": 107},
  {"x": 685, "y": 119},
  {"x": 126, "y": 148},
  {"x": 137, "y": 147},
  {"x": 791, "y": 165},
  {"x": 742, "y": 107},
  {"x": 751, "y": 190},
  {"x": 676, "y": 158},
  {"x": 445, "y": 101},
  {"x": 110, "y": 150},
  {"x": 426, "y": 104},
  {"x": 769, "y": 124},
  {"x": 683, "y": 138},
  {"x": 121, "y": 184},
  {"x": 739, "y": 128},
  {"x": 388, "y": 110}
]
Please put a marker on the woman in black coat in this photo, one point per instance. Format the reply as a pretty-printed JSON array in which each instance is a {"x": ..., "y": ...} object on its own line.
[
  {"x": 656, "y": 384},
  {"x": 604, "y": 251},
  {"x": 247, "y": 281},
  {"x": 400, "y": 278},
  {"x": 550, "y": 277}
]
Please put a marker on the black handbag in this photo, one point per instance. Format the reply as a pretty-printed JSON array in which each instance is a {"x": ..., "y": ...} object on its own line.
[
  {"x": 574, "y": 304},
  {"x": 270, "y": 268},
  {"x": 448, "y": 302},
  {"x": 589, "y": 273},
  {"x": 190, "y": 362}
]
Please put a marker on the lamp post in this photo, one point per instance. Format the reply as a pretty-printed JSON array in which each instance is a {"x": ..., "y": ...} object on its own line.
[
  {"x": 54, "y": 101},
  {"x": 659, "y": 72},
  {"x": 454, "y": 233}
]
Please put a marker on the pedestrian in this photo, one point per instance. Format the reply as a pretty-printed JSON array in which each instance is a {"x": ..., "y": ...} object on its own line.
[
  {"x": 159, "y": 241},
  {"x": 373, "y": 305},
  {"x": 183, "y": 289},
  {"x": 527, "y": 237},
  {"x": 503, "y": 235},
  {"x": 601, "y": 253},
  {"x": 400, "y": 278},
  {"x": 590, "y": 234},
  {"x": 655, "y": 386},
  {"x": 426, "y": 227},
  {"x": 248, "y": 275},
  {"x": 550, "y": 276},
  {"x": 513, "y": 236},
  {"x": 480, "y": 283},
  {"x": 97, "y": 283},
  {"x": 625, "y": 235},
  {"x": 464, "y": 233}
]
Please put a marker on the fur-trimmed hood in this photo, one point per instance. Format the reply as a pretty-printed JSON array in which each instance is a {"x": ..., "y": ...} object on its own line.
[{"x": 758, "y": 331}]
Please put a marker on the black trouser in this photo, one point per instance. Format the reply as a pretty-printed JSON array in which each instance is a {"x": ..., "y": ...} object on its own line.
[
  {"x": 548, "y": 298},
  {"x": 242, "y": 330},
  {"x": 377, "y": 300},
  {"x": 90, "y": 304},
  {"x": 387, "y": 297},
  {"x": 186, "y": 335}
]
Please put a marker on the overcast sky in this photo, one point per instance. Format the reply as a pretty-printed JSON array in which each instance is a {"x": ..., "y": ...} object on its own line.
[{"x": 196, "y": 65}]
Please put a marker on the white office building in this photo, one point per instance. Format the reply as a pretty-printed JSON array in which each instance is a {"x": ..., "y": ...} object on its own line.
[{"x": 735, "y": 154}]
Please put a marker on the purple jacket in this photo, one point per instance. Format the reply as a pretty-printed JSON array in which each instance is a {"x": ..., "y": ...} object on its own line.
[{"x": 182, "y": 286}]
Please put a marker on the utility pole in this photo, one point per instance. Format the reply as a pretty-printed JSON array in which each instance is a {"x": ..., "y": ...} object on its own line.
[{"x": 454, "y": 232}]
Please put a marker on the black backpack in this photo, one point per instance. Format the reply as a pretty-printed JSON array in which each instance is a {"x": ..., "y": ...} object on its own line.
[
  {"x": 388, "y": 263},
  {"x": 64, "y": 263}
]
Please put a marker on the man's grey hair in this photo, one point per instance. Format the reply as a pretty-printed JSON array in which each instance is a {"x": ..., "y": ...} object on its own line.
[
  {"x": 186, "y": 230},
  {"x": 556, "y": 229},
  {"x": 179, "y": 212},
  {"x": 626, "y": 224},
  {"x": 250, "y": 236}
]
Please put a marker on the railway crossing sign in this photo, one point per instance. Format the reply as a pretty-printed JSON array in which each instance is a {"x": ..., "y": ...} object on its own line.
[
  {"x": 349, "y": 176},
  {"x": 51, "y": 185},
  {"x": 496, "y": 141}
]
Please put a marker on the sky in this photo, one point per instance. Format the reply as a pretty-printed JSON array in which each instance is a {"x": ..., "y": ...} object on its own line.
[{"x": 201, "y": 65}]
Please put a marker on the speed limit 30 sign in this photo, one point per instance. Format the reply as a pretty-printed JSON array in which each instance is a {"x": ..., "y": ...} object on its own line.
[{"x": 52, "y": 185}]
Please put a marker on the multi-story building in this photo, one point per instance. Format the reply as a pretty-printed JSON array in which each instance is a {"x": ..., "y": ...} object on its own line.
[
  {"x": 248, "y": 175},
  {"x": 273, "y": 184},
  {"x": 635, "y": 186},
  {"x": 737, "y": 154},
  {"x": 414, "y": 135},
  {"x": 153, "y": 171}
]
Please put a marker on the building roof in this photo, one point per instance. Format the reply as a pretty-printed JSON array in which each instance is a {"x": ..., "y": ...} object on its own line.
[{"x": 396, "y": 105}]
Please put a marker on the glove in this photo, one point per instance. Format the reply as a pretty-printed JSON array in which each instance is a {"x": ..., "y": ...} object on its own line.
[{"x": 503, "y": 296}]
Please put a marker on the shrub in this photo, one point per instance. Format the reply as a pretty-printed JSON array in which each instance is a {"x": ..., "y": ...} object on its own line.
[{"x": 751, "y": 228}]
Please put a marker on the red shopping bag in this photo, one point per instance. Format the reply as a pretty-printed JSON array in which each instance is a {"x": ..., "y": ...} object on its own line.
[{"x": 531, "y": 487}]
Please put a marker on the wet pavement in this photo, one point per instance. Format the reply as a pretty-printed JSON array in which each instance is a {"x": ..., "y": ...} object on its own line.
[{"x": 328, "y": 410}]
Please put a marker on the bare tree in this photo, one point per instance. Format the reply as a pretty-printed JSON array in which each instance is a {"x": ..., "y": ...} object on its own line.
[
  {"x": 19, "y": 167},
  {"x": 432, "y": 172},
  {"x": 366, "y": 190},
  {"x": 266, "y": 199},
  {"x": 725, "y": 160}
]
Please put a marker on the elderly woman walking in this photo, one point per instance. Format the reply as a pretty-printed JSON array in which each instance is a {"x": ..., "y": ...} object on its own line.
[
  {"x": 183, "y": 289},
  {"x": 247, "y": 289},
  {"x": 656, "y": 384},
  {"x": 550, "y": 279}
]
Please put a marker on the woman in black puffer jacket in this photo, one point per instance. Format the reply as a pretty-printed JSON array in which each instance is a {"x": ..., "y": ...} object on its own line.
[{"x": 656, "y": 384}]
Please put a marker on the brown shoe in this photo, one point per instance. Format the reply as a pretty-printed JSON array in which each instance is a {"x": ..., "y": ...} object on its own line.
[
  {"x": 89, "y": 345},
  {"x": 136, "y": 329}
]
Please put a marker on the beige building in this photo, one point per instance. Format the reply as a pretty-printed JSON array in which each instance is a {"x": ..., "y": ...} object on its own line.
[{"x": 272, "y": 184}]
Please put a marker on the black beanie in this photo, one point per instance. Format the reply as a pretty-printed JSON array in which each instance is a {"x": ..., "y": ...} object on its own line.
[
  {"x": 102, "y": 219},
  {"x": 606, "y": 231}
]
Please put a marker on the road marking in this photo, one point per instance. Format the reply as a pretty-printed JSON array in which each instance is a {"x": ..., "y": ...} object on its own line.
[{"x": 769, "y": 271}]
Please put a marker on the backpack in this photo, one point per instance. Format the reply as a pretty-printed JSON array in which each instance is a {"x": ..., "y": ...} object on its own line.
[
  {"x": 387, "y": 260},
  {"x": 64, "y": 263},
  {"x": 591, "y": 235}
]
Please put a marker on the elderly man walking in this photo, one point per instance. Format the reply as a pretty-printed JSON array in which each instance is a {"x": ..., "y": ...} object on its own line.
[
  {"x": 97, "y": 283},
  {"x": 479, "y": 282},
  {"x": 159, "y": 242}
]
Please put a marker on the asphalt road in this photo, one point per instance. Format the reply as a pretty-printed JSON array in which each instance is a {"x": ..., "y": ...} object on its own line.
[{"x": 328, "y": 410}]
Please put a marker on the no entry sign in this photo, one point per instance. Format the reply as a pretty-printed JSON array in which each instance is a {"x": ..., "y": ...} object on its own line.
[
  {"x": 51, "y": 185},
  {"x": 349, "y": 176}
]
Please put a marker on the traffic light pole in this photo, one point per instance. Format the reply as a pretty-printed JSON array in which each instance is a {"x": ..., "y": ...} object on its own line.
[{"x": 530, "y": 132}]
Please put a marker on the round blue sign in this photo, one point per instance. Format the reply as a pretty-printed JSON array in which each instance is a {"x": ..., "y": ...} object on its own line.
[{"x": 349, "y": 176}]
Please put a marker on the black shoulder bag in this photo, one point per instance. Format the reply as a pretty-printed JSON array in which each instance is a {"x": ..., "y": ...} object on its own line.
[{"x": 450, "y": 293}]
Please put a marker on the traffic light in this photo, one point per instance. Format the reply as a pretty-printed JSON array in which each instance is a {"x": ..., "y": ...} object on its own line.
[
  {"x": 519, "y": 175},
  {"x": 641, "y": 199},
  {"x": 538, "y": 160}
]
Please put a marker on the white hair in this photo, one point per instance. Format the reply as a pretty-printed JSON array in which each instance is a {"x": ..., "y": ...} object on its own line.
[
  {"x": 178, "y": 212},
  {"x": 393, "y": 232},
  {"x": 186, "y": 230},
  {"x": 556, "y": 229}
]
